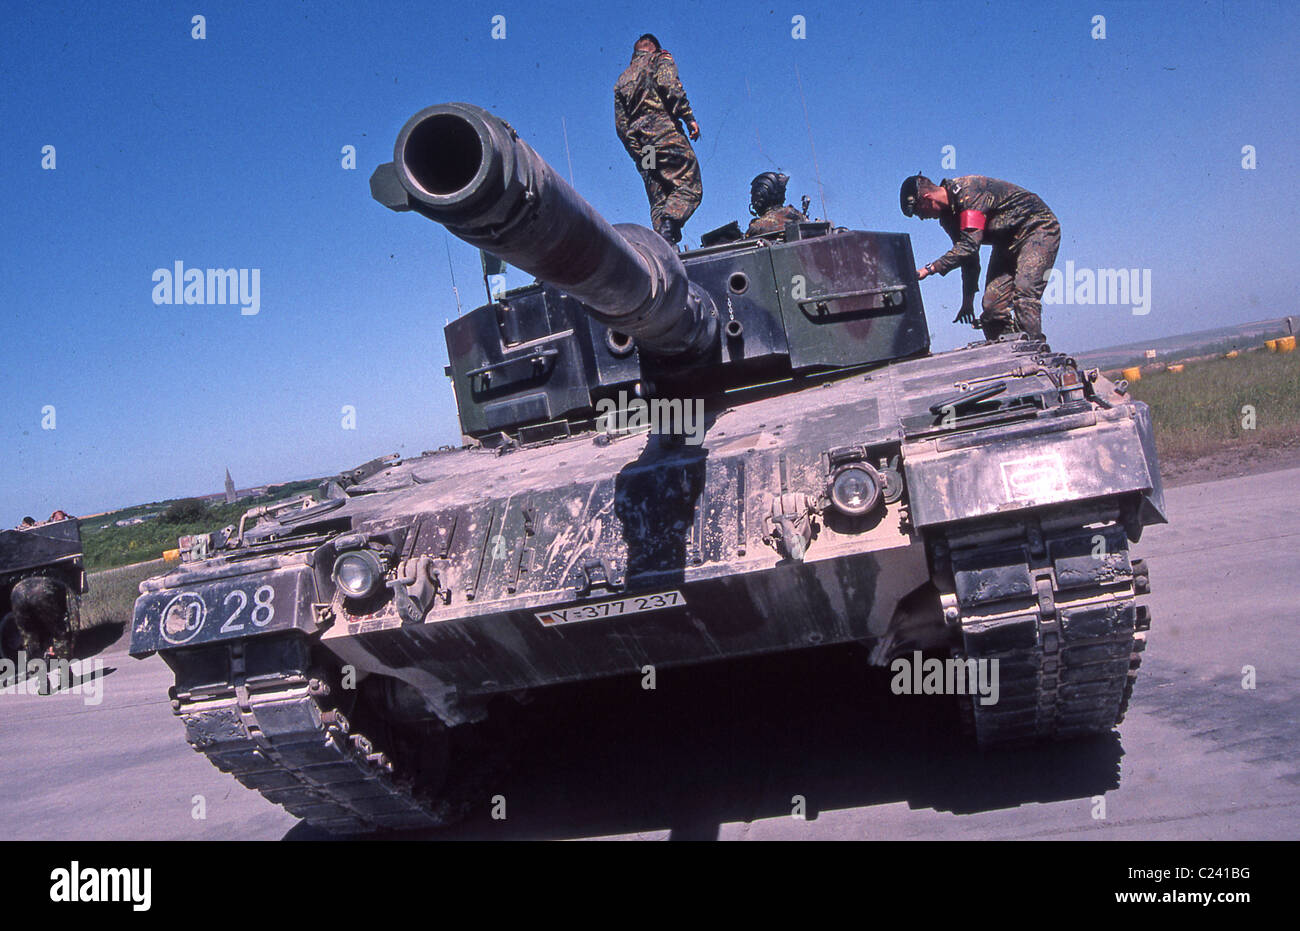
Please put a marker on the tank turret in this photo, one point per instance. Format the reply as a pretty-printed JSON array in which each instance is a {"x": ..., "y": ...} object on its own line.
[{"x": 617, "y": 313}]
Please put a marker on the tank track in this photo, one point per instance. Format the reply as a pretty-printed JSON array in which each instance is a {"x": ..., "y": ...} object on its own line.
[
  {"x": 273, "y": 733},
  {"x": 1053, "y": 602}
]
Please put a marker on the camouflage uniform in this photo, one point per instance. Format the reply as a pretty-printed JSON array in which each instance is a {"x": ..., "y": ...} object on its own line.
[
  {"x": 44, "y": 611},
  {"x": 649, "y": 104},
  {"x": 774, "y": 220},
  {"x": 1025, "y": 236}
]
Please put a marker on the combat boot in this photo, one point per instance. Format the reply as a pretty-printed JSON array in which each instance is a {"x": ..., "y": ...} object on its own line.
[
  {"x": 667, "y": 228},
  {"x": 51, "y": 680},
  {"x": 993, "y": 329}
]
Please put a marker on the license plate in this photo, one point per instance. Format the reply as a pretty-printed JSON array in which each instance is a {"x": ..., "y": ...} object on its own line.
[{"x": 637, "y": 604}]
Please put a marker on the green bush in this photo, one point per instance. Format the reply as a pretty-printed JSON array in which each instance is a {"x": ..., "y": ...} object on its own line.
[{"x": 185, "y": 511}]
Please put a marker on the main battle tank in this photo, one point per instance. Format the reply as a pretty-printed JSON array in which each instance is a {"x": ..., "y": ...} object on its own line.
[{"x": 669, "y": 459}]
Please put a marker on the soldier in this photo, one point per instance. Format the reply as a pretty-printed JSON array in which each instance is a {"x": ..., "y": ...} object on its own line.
[
  {"x": 1023, "y": 232},
  {"x": 650, "y": 107},
  {"x": 767, "y": 204},
  {"x": 44, "y": 611}
]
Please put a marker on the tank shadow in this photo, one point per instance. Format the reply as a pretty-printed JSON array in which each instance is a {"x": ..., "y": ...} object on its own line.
[
  {"x": 655, "y": 500},
  {"x": 737, "y": 741},
  {"x": 94, "y": 640}
]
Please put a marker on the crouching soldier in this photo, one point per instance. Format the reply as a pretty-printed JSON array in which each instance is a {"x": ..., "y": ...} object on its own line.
[{"x": 1025, "y": 236}]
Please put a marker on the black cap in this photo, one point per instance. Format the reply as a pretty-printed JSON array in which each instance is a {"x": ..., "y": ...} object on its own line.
[
  {"x": 649, "y": 37},
  {"x": 909, "y": 192}
]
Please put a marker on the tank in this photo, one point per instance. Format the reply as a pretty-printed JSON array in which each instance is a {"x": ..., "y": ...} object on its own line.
[
  {"x": 668, "y": 459},
  {"x": 41, "y": 581}
]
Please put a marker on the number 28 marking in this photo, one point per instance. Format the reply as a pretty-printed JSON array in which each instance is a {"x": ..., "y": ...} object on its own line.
[{"x": 261, "y": 615}]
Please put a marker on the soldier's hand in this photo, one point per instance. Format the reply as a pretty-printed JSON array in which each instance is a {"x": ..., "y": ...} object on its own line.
[
  {"x": 965, "y": 315},
  {"x": 923, "y": 273},
  {"x": 694, "y": 129}
]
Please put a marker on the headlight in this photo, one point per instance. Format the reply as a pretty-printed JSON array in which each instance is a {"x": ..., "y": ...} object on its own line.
[
  {"x": 358, "y": 573},
  {"x": 855, "y": 489}
]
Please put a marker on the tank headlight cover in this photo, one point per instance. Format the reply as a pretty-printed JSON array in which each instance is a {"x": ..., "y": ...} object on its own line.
[
  {"x": 855, "y": 489},
  {"x": 358, "y": 573}
]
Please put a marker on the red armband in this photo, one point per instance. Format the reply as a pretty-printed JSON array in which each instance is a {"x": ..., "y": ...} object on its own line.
[{"x": 972, "y": 220}]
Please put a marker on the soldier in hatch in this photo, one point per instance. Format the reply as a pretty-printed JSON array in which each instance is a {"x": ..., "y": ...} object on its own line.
[
  {"x": 1024, "y": 233},
  {"x": 767, "y": 204},
  {"x": 650, "y": 109}
]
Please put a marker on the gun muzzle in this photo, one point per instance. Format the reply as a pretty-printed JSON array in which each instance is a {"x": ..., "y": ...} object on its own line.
[{"x": 468, "y": 170}]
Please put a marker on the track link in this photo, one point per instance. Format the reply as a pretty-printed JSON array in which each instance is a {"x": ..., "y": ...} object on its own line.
[
  {"x": 273, "y": 733},
  {"x": 1055, "y": 607}
]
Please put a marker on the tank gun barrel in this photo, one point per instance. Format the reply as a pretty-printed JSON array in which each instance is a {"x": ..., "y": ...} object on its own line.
[{"x": 468, "y": 170}]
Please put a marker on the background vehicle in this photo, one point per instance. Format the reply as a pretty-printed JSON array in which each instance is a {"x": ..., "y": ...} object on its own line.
[{"x": 41, "y": 574}]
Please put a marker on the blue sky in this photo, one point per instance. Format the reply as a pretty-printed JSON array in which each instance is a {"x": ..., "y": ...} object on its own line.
[{"x": 226, "y": 151}]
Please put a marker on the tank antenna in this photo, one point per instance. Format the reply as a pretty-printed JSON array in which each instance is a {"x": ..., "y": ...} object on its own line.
[
  {"x": 817, "y": 172},
  {"x": 564, "y": 126},
  {"x": 451, "y": 269}
]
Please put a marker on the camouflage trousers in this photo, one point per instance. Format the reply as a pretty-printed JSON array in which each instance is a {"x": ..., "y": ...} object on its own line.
[
  {"x": 45, "y": 612},
  {"x": 673, "y": 185},
  {"x": 1017, "y": 278}
]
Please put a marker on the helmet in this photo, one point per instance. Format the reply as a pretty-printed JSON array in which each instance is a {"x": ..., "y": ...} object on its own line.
[
  {"x": 909, "y": 193},
  {"x": 767, "y": 190}
]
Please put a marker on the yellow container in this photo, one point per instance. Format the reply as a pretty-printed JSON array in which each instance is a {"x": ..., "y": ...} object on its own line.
[
  {"x": 1176, "y": 368},
  {"x": 1271, "y": 344},
  {"x": 1231, "y": 354},
  {"x": 1286, "y": 344},
  {"x": 1133, "y": 374},
  {"x": 171, "y": 555}
]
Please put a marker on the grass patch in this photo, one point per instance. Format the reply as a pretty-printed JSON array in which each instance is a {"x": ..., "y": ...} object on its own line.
[
  {"x": 1201, "y": 410},
  {"x": 112, "y": 594}
]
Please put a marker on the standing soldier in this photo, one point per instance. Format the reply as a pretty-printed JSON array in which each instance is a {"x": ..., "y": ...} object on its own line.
[
  {"x": 767, "y": 204},
  {"x": 1023, "y": 232},
  {"x": 650, "y": 108}
]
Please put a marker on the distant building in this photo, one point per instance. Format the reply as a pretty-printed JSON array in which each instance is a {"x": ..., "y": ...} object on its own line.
[
  {"x": 230, "y": 488},
  {"x": 140, "y": 519}
]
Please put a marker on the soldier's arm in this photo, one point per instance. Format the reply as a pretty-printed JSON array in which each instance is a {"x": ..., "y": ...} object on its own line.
[
  {"x": 970, "y": 280},
  {"x": 671, "y": 91},
  {"x": 965, "y": 246},
  {"x": 621, "y": 124}
]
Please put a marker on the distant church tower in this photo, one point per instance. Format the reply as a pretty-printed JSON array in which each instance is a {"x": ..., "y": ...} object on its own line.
[{"x": 230, "y": 488}]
